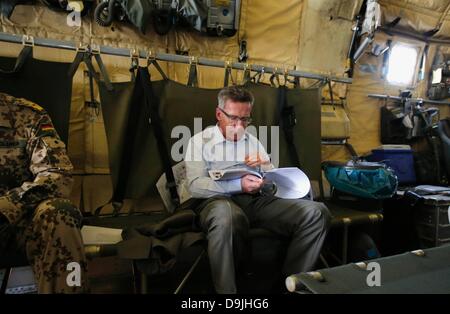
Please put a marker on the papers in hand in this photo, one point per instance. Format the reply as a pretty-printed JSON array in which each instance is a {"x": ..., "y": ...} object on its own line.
[
  {"x": 93, "y": 235},
  {"x": 291, "y": 183}
]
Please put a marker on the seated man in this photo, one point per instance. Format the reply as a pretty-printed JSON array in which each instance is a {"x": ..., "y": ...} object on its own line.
[
  {"x": 35, "y": 179},
  {"x": 231, "y": 206}
]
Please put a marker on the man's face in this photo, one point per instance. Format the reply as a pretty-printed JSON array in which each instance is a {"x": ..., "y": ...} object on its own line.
[{"x": 230, "y": 119}]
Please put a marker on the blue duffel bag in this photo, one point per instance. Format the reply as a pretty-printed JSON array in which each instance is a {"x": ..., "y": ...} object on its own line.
[{"x": 363, "y": 179}]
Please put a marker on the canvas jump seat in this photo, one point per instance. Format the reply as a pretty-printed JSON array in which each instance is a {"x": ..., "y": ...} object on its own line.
[{"x": 136, "y": 169}]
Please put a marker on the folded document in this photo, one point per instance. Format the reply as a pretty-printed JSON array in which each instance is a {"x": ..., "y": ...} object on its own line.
[{"x": 291, "y": 183}]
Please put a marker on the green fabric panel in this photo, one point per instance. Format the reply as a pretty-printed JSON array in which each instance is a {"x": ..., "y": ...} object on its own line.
[
  {"x": 115, "y": 109},
  {"x": 180, "y": 105},
  {"x": 146, "y": 166},
  {"x": 44, "y": 83},
  {"x": 265, "y": 113},
  {"x": 308, "y": 129}
]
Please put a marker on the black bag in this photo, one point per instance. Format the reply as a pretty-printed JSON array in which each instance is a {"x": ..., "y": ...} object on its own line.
[{"x": 429, "y": 167}]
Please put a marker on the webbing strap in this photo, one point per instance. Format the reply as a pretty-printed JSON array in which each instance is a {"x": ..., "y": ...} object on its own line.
[
  {"x": 152, "y": 103},
  {"x": 287, "y": 121},
  {"x": 23, "y": 56}
]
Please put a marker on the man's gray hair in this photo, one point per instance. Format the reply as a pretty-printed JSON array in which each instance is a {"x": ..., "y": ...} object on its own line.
[{"x": 236, "y": 94}]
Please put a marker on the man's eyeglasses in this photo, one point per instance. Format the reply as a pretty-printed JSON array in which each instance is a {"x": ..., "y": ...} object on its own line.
[{"x": 244, "y": 120}]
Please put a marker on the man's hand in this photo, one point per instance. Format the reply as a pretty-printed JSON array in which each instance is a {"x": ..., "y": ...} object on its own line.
[
  {"x": 251, "y": 184},
  {"x": 255, "y": 161}
]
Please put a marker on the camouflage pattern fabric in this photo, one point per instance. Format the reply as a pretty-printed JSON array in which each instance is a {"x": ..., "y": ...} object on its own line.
[{"x": 35, "y": 179}]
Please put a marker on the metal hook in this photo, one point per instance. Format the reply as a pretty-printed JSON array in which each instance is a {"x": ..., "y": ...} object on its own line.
[
  {"x": 82, "y": 48},
  {"x": 247, "y": 68},
  {"x": 151, "y": 56},
  {"x": 228, "y": 68},
  {"x": 260, "y": 74},
  {"x": 134, "y": 54},
  {"x": 247, "y": 73},
  {"x": 275, "y": 76},
  {"x": 193, "y": 60},
  {"x": 134, "y": 57},
  {"x": 286, "y": 74},
  {"x": 28, "y": 40},
  {"x": 95, "y": 49}
]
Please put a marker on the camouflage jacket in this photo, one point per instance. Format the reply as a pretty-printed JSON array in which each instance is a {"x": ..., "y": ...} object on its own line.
[{"x": 34, "y": 165}]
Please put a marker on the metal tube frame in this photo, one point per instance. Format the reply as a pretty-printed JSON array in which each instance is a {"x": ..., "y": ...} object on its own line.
[{"x": 125, "y": 52}]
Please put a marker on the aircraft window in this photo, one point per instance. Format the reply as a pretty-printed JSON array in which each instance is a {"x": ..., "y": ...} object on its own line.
[{"x": 402, "y": 65}]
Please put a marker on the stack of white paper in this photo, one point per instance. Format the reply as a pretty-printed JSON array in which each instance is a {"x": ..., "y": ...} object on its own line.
[{"x": 291, "y": 183}]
